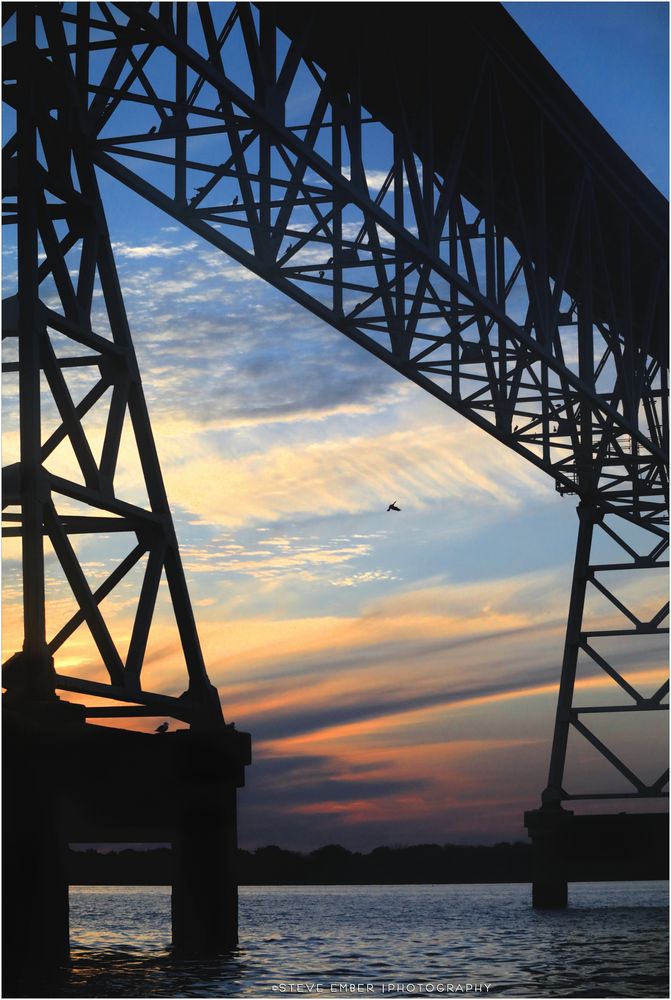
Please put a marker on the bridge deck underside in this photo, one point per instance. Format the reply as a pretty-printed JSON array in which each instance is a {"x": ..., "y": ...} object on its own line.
[{"x": 440, "y": 53}]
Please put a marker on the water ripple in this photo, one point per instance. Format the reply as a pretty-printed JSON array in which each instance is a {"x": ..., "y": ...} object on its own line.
[{"x": 612, "y": 942}]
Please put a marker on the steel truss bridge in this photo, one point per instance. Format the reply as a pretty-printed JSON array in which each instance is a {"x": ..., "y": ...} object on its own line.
[{"x": 440, "y": 197}]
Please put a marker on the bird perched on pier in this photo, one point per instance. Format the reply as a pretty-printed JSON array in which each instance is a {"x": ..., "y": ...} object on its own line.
[
  {"x": 163, "y": 728},
  {"x": 392, "y": 506}
]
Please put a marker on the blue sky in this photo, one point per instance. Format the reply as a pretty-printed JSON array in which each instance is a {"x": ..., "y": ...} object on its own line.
[
  {"x": 397, "y": 671},
  {"x": 615, "y": 57}
]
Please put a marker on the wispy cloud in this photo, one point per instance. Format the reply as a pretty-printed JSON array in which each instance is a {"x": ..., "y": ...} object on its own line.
[
  {"x": 135, "y": 252},
  {"x": 348, "y": 474}
]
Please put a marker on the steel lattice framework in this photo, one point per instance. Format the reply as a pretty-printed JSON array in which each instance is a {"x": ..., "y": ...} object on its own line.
[{"x": 471, "y": 226}]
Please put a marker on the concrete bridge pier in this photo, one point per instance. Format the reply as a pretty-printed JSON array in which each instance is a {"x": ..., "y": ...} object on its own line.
[
  {"x": 591, "y": 848},
  {"x": 204, "y": 883},
  {"x": 67, "y": 781},
  {"x": 549, "y": 889},
  {"x": 35, "y": 885}
]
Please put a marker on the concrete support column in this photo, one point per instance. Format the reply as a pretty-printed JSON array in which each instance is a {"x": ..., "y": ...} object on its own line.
[
  {"x": 547, "y": 829},
  {"x": 205, "y": 891},
  {"x": 36, "y": 912}
]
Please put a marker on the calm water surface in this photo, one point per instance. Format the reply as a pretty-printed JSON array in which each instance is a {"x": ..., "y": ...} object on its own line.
[{"x": 430, "y": 939}]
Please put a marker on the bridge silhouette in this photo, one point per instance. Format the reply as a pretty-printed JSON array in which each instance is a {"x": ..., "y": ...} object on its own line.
[{"x": 464, "y": 220}]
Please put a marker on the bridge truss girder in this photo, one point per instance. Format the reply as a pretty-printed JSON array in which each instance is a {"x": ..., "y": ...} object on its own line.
[
  {"x": 437, "y": 284},
  {"x": 542, "y": 342}
]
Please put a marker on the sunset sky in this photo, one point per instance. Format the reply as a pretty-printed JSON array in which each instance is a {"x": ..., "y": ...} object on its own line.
[{"x": 397, "y": 672}]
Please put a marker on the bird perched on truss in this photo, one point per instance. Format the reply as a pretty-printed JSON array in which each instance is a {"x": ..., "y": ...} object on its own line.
[
  {"x": 392, "y": 506},
  {"x": 163, "y": 728},
  {"x": 152, "y": 130},
  {"x": 321, "y": 274},
  {"x": 235, "y": 200}
]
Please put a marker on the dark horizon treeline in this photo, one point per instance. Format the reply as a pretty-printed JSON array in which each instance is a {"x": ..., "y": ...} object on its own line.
[
  {"x": 330, "y": 865},
  {"x": 387, "y": 865}
]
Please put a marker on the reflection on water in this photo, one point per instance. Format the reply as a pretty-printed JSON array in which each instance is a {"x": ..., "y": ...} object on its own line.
[{"x": 611, "y": 942}]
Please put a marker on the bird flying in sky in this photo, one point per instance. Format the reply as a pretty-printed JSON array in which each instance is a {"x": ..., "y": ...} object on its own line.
[{"x": 392, "y": 506}]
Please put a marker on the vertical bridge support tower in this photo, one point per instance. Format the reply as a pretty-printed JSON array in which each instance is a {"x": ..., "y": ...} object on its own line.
[
  {"x": 67, "y": 780},
  {"x": 627, "y": 846}
]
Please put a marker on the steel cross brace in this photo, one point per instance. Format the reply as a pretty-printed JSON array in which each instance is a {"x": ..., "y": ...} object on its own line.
[{"x": 646, "y": 556}]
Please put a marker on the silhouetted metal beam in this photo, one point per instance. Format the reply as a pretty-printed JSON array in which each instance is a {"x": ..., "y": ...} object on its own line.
[
  {"x": 568, "y": 425},
  {"x": 468, "y": 223}
]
